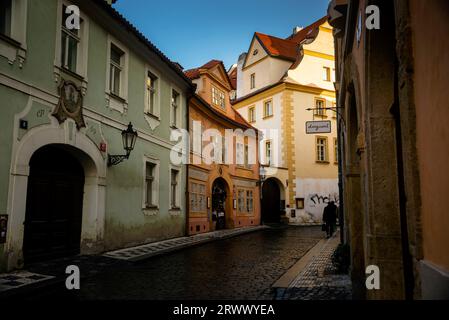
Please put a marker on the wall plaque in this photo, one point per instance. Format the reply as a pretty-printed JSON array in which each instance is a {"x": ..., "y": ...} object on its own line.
[{"x": 70, "y": 104}]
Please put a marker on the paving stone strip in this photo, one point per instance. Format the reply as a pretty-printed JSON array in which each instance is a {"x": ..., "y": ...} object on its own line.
[
  {"x": 152, "y": 249},
  {"x": 319, "y": 279}
]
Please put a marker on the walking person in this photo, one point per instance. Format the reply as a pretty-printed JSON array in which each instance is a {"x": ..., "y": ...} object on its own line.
[{"x": 330, "y": 218}]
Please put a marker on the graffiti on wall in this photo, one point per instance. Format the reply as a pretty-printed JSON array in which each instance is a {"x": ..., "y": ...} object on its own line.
[{"x": 315, "y": 204}]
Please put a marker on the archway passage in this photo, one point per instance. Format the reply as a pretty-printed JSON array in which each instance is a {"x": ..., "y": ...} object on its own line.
[
  {"x": 271, "y": 202},
  {"x": 54, "y": 205},
  {"x": 219, "y": 207}
]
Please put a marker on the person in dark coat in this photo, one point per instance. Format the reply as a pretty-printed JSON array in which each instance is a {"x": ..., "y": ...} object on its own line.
[{"x": 330, "y": 218}]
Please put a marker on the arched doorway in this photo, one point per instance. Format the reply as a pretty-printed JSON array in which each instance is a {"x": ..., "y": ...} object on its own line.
[
  {"x": 54, "y": 205},
  {"x": 220, "y": 193},
  {"x": 271, "y": 201}
]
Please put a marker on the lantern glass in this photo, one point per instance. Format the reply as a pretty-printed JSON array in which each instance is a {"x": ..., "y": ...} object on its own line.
[{"x": 129, "y": 137}]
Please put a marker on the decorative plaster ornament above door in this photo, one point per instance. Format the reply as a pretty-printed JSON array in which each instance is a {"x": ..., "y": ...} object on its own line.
[{"x": 70, "y": 104}]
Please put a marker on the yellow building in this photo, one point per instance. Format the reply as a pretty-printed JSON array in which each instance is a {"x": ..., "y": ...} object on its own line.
[{"x": 277, "y": 81}]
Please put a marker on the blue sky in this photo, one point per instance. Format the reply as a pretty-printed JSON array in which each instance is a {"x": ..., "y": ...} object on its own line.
[{"x": 193, "y": 32}]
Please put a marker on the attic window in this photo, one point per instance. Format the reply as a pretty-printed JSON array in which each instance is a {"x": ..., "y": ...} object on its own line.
[{"x": 255, "y": 52}]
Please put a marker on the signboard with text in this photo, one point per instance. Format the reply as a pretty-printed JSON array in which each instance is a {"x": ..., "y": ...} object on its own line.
[{"x": 314, "y": 127}]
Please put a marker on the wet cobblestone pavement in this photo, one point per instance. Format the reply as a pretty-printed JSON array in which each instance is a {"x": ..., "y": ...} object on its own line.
[
  {"x": 244, "y": 267},
  {"x": 319, "y": 279}
]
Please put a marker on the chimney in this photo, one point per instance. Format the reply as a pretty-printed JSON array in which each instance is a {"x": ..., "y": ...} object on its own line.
[{"x": 296, "y": 30}]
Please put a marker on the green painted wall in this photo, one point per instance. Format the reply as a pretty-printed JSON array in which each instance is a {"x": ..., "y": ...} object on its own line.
[{"x": 125, "y": 223}]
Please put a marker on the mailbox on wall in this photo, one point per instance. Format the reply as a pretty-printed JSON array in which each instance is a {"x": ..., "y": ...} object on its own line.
[{"x": 3, "y": 227}]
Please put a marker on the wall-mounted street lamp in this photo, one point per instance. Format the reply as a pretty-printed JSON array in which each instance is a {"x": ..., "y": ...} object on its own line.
[
  {"x": 262, "y": 176},
  {"x": 129, "y": 137}
]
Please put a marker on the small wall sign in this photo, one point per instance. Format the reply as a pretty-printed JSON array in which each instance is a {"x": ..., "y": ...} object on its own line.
[{"x": 314, "y": 127}]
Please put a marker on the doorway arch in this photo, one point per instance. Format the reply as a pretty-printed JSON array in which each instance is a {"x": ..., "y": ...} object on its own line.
[
  {"x": 54, "y": 205},
  {"x": 271, "y": 201},
  {"x": 220, "y": 201},
  {"x": 94, "y": 165}
]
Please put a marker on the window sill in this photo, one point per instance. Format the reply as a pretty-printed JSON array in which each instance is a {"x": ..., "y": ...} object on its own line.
[
  {"x": 175, "y": 211},
  {"x": 12, "y": 50},
  {"x": 268, "y": 117},
  {"x": 116, "y": 103},
  {"x": 322, "y": 162},
  {"x": 10, "y": 41},
  {"x": 150, "y": 211},
  {"x": 153, "y": 116}
]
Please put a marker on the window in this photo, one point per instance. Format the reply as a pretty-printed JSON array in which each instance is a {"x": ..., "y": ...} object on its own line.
[
  {"x": 240, "y": 154},
  {"x": 150, "y": 185},
  {"x": 321, "y": 149},
  {"x": 5, "y": 17},
  {"x": 218, "y": 98},
  {"x": 174, "y": 108},
  {"x": 335, "y": 150},
  {"x": 241, "y": 200},
  {"x": 268, "y": 153},
  {"x": 116, "y": 68},
  {"x": 245, "y": 201},
  {"x": 223, "y": 149},
  {"x": 326, "y": 74},
  {"x": 174, "y": 201},
  {"x": 70, "y": 41},
  {"x": 151, "y": 87},
  {"x": 320, "y": 107},
  {"x": 247, "y": 156},
  {"x": 198, "y": 202},
  {"x": 253, "y": 80},
  {"x": 249, "y": 201},
  {"x": 252, "y": 114},
  {"x": 268, "y": 108}
]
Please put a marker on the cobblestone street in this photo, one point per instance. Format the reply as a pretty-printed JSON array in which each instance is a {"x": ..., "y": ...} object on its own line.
[{"x": 244, "y": 267}]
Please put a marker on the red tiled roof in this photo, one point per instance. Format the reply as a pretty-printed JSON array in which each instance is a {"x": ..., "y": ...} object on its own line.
[
  {"x": 288, "y": 48},
  {"x": 278, "y": 47},
  {"x": 304, "y": 33},
  {"x": 195, "y": 73}
]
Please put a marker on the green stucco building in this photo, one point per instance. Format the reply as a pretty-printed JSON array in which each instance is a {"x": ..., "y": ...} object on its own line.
[{"x": 66, "y": 94}]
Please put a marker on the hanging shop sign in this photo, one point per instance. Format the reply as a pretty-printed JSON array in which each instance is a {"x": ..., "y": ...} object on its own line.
[{"x": 314, "y": 127}]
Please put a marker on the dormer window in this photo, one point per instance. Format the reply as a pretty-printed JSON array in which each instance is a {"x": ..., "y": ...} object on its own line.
[{"x": 218, "y": 98}]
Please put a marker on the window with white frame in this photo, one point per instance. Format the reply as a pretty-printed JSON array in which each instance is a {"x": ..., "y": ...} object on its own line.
[
  {"x": 249, "y": 201},
  {"x": 253, "y": 81},
  {"x": 70, "y": 43},
  {"x": 320, "y": 107},
  {"x": 174, "y": 194},
  {"x": 198, "y": 201},
  {"x": 268, "y": 153},
  {"x": 252, "y": 114},
  {"x": 151, "y": 185},
  {"x": 223, "y": 149},
  {"x": 321, "y": 149},
  {"x": 151, "y": 94},
  {"x": 326, "y": 74},
  {"x": 241, "y": 200},
  {"x": 240, "y": 157},
  {"x": 175, "y": 97},
  {"x": 268, "y": 108},
  {"x": 116, "y": 70},
  {"x": 218, "y": 98},
  {"x": 5, "y": 17}
]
